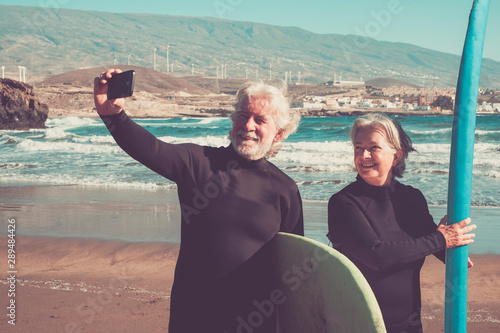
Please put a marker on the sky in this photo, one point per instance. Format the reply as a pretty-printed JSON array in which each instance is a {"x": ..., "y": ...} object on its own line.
[{"x": 435, "y": 24}]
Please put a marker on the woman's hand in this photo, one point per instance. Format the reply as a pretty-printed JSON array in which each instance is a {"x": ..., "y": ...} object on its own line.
[
  {"x": 104, "y": 106},
  {"x": 457, "y": 234}
]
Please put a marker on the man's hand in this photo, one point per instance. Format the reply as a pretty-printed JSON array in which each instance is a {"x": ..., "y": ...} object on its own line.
[{"x": 104, "y": 106}]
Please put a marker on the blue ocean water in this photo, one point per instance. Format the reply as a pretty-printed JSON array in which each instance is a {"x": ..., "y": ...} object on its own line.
[
  {"x": 72, "y": 180},
  {"x": 80, "y": 151}
]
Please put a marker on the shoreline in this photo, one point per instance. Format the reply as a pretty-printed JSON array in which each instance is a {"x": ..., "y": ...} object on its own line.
[
  {"x": 206, "y": 113},
  {"x": 113, "y": 213},
  {"x": 88, "y": 285},
  {"x": 305, "y": 113}
]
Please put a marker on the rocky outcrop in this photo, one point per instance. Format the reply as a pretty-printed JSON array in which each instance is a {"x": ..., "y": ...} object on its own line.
[{"x": 19, "y": 109}]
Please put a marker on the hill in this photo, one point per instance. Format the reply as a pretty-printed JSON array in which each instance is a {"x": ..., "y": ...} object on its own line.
[
  {"x": 50, "y": 41},
  {"x": 147, "y": 80}
]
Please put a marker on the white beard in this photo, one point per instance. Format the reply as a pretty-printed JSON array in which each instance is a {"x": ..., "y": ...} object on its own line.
[{"x": 253, "y": 151}]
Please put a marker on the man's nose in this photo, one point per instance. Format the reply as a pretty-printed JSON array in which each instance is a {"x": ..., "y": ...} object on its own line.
[
  {"x": 250, "y": 124},
  {"x": 366, "y": 153}
]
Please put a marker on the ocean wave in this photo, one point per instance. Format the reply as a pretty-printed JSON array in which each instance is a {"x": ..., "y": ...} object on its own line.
[
  {"x": 440, "y": 131},
  {"x": 431, "y": 148},
  {"x": 487, "y": 132},
  {"x": 318, "y": 161},
  {"x": 18, "y": 165},
  {"x": 484, "y": 204},
  {"x": 322, "y": 182},
  {"x": 489, "y": 173},
  {"x": 429, "y": 171},
  {"x": 208, "y": 140},
  {"x": 319, "y": 147},
  {"x": 8, "y": 139},
  {"x": 211, "y": 120},
  {"x": 445, "y": 132},
  {"x": 479, "y": 170},
  {"x": 108, "y": 139},
  {"x": 57, "y": 133},
  {"x": 485, "y": 148},
  {"x": 428, "y": 162},
  {"x": 193, "y": 128},
  {"x": 64, "y": 179},
  {"x": 34, "y": 146},
  {"x": 180, "y": 121},
  {"x": 72, "y": 122},
  {"x": 52, "y": 133},
  {"x": 328, "y": 168}
]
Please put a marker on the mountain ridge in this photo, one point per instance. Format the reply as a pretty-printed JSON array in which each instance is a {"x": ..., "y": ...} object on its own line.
[{"x": 200, "y": 45}]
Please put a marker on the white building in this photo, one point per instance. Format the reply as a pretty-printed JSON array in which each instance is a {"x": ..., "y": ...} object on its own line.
[{"x": 314, "y": 105}]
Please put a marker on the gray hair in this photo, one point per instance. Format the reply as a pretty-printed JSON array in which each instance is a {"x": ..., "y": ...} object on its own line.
[
  {"x": 396, "y": 136},
  {"x": 286, "y": 119}
]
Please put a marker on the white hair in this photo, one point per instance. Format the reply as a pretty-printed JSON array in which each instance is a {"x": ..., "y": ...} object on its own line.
[{"x": 286, "y": 119}]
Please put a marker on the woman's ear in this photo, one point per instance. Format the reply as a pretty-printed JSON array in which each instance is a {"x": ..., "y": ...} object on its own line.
[{"x": 397, "y": 157}]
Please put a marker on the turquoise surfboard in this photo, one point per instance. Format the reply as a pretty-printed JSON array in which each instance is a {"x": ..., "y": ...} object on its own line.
[
  {"x": 461, "y": 165},
  {"x": 320, "y": 290}
]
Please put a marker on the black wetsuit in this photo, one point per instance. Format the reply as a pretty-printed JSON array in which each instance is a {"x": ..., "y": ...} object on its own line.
[
  {"x": 231, "y": 208},
  {"x": 387, "y": 232}
]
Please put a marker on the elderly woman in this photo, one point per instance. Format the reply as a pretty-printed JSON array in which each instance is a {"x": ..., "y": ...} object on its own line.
[{"x": 384, "y": 227}]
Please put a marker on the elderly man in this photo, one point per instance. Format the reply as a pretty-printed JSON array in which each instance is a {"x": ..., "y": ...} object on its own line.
[{"x": 233, "y": 202}]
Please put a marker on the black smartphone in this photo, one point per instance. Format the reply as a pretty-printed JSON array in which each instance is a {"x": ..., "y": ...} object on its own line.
[{"x": 121, "y": 85}]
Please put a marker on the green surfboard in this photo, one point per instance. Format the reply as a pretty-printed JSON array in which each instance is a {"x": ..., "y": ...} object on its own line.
[{"x": 322, "y": 290}]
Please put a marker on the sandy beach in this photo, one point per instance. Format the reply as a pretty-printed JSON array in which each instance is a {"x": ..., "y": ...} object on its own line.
[
  {"x": 89, "y": 285},
  {"x": 105, "y": 272},
  {"x": 78, "y": 285}
]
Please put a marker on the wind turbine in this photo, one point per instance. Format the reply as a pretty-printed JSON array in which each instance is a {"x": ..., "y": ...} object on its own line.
[
  {"x": 22, "y": 73},
  {"x": 154, "y": 58},
  {"x": 168, "y": 63}
]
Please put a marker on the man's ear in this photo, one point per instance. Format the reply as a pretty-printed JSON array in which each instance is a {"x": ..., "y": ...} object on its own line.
[{"x": 279, "y": 136}]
